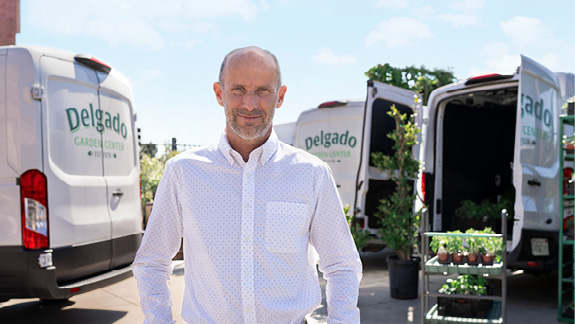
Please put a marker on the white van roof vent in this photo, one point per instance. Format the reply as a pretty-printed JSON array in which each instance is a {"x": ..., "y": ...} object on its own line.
[{"x": 93, "y": 62}]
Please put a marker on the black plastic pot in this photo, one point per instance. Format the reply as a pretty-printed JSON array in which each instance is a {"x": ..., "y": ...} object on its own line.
[{"x": 403, "y": 277}]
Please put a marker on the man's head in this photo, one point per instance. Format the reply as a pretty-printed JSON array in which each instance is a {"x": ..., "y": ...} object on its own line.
[{"x": 250, "y": 90}]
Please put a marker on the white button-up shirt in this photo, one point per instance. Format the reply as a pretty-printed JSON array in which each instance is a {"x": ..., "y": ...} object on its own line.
[{"x": 248, "y": 229}]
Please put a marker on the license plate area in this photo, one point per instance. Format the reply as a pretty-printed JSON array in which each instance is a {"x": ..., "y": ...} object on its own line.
[{"x": 539, "y": 246}]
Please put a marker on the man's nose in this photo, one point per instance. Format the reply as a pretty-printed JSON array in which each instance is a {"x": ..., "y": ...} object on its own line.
[{"x": 250, "y": 101}]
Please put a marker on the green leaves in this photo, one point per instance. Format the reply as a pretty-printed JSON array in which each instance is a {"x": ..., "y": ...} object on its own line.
[
  {"x": 465, "y": 285},
  {"x": 398, "y": 222},
  {"x": 419, "y": 79}
]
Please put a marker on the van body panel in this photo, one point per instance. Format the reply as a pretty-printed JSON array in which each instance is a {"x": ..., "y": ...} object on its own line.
[
  {"x": 78, "y": 213},
  {"x": 333, "y": 135},
  {"x": 75, "y": 126},
  {"x": 23, "y": 114}
]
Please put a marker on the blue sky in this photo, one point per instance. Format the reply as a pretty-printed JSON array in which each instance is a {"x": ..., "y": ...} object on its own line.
[{"x": 171, "y": 50}]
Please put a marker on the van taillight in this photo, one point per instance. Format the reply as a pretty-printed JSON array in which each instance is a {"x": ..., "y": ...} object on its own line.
[
  {"x": 423, "y": 191},
  {"x": 487, "y": 78},
  {"x": 34, "y": 206}
]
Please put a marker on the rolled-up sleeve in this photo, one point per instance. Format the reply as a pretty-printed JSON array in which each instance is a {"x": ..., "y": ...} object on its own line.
[
  {"x": 153, "y": 263},
  {"x": 339, "y": 260}
]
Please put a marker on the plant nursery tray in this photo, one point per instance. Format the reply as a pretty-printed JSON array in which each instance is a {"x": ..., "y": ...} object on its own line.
[
  {"x": 494, "y": 317},
  {"x": 433, "y": 266},
  {"x": 464, "y": 307}
]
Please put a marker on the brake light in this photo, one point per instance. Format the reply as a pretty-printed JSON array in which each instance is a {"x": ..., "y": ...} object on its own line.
[
  {"x": 34, "y": 206},
  {"x": 487, "y": 78},
  {"x": 332, "y": 104},
  {"x": 93, "y": 62},
  {"x": 533, "y": 264},
  {"x": 567, "y": 182},
  {"x": 423, "y": 182}
]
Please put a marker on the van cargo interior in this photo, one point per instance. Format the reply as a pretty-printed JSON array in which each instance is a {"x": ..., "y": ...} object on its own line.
[{"x": 478, "y": 142}]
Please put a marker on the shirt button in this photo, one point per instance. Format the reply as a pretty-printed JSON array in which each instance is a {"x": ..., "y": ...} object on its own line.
[{"x": 247, "y": 205}]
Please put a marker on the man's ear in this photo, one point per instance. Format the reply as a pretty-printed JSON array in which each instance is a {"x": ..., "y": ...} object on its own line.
[
  {"x": 281, "y": 95},
  {"x": 219, "y": 93}
]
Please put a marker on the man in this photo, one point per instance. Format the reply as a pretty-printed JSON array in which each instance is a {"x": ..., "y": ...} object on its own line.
[{"x": 249, "y": 209}]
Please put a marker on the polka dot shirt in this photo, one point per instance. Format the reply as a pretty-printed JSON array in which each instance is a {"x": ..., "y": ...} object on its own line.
[{"x": 249, "y": 230}]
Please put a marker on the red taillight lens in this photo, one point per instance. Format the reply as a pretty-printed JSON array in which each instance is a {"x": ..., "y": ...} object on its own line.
[
  {"x": 487, "y": 78},
  {"x": 34, "y": 206},
  {"x": 423, "y": 191}
]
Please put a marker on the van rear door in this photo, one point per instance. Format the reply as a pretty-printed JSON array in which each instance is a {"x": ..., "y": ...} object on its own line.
[
  {"x": 121, "y": 170},
  {"x": 536, "y": 165},
  {"x": 371, "y": 184},
  {"x": 79, "y": 225}
]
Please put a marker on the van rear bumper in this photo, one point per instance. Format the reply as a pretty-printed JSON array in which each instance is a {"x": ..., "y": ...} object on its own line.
[
  {"x": 22, "y": 277},
  {"x": 522, "y": 257}
]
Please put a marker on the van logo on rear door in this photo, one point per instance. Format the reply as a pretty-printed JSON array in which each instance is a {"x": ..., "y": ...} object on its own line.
[{"x": 99, "y": 119}]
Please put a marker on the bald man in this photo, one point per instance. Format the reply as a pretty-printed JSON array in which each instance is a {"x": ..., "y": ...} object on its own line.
[{"x": 251, "y": 210}]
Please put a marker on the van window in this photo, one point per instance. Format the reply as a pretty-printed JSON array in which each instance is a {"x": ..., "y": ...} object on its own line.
[{"x": 75, "y": 145}]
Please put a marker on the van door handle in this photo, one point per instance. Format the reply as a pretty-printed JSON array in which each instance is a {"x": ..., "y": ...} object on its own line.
[
  {"x": 118, "y": 193},
  {"x": 534, "y": 182}
]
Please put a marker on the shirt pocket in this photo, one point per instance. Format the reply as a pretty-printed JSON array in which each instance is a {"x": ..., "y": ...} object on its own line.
[{"x": 287, "y": 226}]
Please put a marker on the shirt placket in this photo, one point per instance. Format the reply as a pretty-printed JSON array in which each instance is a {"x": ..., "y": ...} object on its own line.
[{"x": 247, "y": 250}]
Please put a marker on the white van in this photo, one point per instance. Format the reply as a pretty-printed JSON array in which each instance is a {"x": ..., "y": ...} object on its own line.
[
  {"x": 493, "y": 137},
  {"x": 70, "y": 217},
  {"x": 344, "y": 134}
]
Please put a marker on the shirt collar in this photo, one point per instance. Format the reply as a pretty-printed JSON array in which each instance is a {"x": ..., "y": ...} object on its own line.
[{"x": 263, "y": 154}]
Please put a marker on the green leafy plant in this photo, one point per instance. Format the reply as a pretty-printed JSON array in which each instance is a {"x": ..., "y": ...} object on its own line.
[
  {"x": 414, "y": 78},
  {"x": 437, "y": 242},
  {"x": 472, "y": 242},
  {"x": 465, "y": 285},
  {"x": 455, "y": 243},
  {"x": 399, "y": 223},
  {"x": 491, "y": 245},
  {"x": 486, "y": 209},
  {"x": 360, "y": 236}
]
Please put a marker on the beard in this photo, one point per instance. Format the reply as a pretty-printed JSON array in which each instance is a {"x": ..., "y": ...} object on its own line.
[{"x": 249, "y": 131}]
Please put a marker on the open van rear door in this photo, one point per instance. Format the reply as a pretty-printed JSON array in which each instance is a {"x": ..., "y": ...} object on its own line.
[
  {"x": 371, "y": 184},
  {"x": 535, "y": 162}
]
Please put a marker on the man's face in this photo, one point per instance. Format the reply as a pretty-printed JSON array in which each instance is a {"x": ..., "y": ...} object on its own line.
[{"x": 250, "y": 96}]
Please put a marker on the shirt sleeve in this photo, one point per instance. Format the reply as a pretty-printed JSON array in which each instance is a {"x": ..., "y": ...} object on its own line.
[
  {"x": 338, "y": 257},
  {"x": 152, "y": 266}
]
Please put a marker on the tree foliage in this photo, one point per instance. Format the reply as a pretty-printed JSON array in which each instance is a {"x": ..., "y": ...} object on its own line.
[
  {"x": 399, "y": 223},
  {"x": 419, "y": 79},
  {"x": 151, "y": 171}
]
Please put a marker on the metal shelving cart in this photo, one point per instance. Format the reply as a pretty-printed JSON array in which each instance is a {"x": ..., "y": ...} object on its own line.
[
  {"x": 430, "y": 265},
  {"x": 566, "y": 269}
]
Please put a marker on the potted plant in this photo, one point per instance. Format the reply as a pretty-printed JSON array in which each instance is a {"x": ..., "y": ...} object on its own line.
[
  {"x": 438, "y": 245},
  {"x": 465, "y": 307},
  {"x": 399, "y": 223},
  {"x": 491, "y": 247},
  {"x": 472, "y": 253},
  {"x": 455, "y": 247}
]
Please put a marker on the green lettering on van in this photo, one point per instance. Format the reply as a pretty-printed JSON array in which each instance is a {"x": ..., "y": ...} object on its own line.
[
  {"x": 73, "y": 119},
  {"x": 99, "y": 119},
  {"x": 327, "y": 139}
]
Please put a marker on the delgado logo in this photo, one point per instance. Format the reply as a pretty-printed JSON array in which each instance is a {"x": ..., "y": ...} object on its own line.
[
  {"x": 328, "y": 139},
  {"x": 99, "y": 119}
]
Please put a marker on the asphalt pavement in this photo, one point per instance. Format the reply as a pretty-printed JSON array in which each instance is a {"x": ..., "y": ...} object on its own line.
[{"x": 531, "y": 299}]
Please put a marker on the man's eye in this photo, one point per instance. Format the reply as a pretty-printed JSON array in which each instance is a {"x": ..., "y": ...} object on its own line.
[{"x": 264, "y": 91}]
